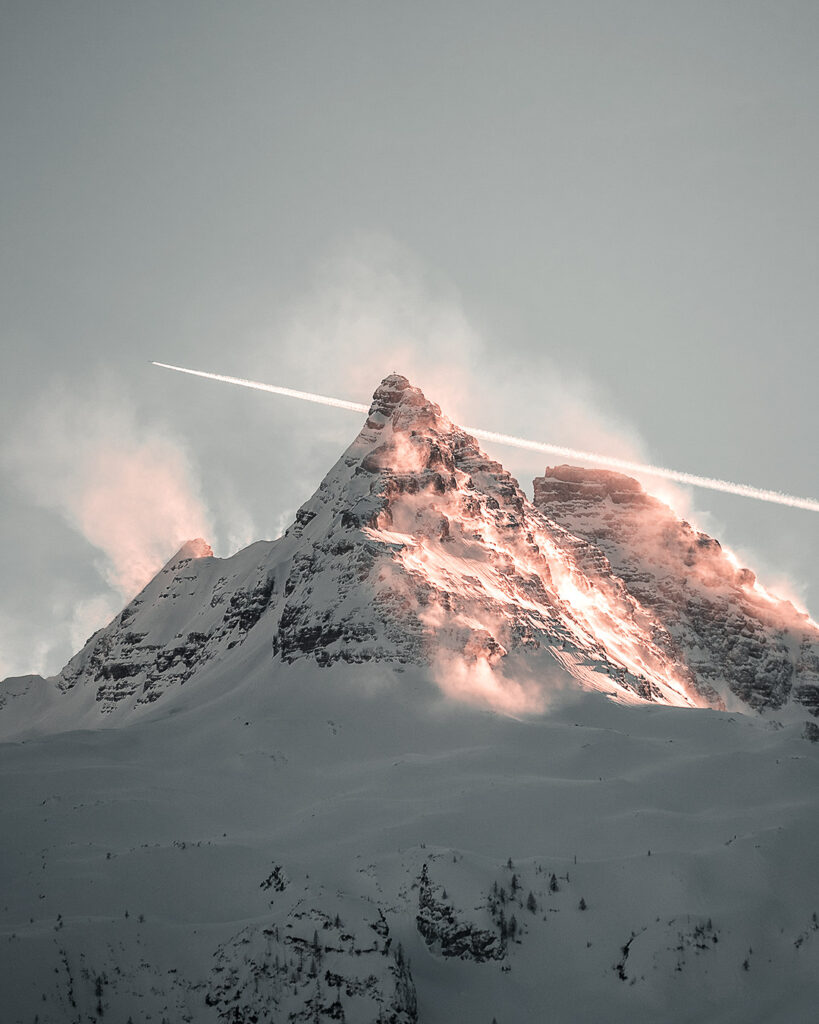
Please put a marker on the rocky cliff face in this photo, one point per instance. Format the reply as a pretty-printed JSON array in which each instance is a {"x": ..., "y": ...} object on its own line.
[
  {"x": 727, "y": 629},
  {"x": 196, "y": 608},
  {"x": 419, "y": 548}
]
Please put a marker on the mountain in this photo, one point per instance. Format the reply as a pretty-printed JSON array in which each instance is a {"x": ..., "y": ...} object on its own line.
[
  {"x": 439, "y": 753},
  {"x": 419, "y": 549}
]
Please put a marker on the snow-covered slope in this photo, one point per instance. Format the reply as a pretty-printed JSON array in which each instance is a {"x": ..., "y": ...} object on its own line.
[
  {"x": 336, "y": 845},
  {"x": 418, "y": 760},
  {"x": 731, "y": 632},
  {"x": 195, "y": 608}
]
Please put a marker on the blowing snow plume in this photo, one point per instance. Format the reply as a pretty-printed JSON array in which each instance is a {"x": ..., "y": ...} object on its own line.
[
  {"x": 596, "y": 458},
  {"x": 129, "y": 490}
]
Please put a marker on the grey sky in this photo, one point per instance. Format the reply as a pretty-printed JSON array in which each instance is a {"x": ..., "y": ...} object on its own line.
[{"x": 588, "y": 223}]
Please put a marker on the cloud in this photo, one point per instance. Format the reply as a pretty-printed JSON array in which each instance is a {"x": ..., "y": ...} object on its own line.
[
  {"x": 372, "y": 309},
  {"x": 479, "y": 682},
  {"x": 20, "y": 652},
  {"x": 127, "y": 487}
]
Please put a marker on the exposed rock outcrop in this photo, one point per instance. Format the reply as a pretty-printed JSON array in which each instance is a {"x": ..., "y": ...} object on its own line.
[{"x": 734, "y": 635}]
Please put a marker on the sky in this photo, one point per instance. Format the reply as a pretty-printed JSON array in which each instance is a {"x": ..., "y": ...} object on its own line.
[{"x": 592, "y": 224}]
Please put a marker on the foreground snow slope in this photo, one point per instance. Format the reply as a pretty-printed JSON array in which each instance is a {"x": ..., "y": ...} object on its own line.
[{"x": 261, "y": 849}]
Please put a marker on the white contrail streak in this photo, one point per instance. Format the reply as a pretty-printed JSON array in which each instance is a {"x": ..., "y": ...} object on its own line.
[
  {"x": 743, "y": 490},
  {"x": 305, "y": 396}
]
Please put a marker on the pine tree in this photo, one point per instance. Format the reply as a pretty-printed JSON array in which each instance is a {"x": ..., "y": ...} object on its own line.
[
  {"x": 531, "y": 903},
  {"x": 582, "y": 904},
  {"x": 553, "y": 886}
]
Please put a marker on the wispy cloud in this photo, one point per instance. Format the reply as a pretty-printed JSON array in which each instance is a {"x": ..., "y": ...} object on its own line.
[{"x": 128, "y": 487}]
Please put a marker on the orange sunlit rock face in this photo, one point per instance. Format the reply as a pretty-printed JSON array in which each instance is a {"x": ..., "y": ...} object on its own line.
[
  {"x": 729, "y": 630},
  {"x": 468, "y": 576}
]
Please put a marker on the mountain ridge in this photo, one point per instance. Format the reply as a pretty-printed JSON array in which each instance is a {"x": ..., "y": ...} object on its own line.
[
  {"x": 417, "y": 548},
  {"x": 731, "y": 632}
]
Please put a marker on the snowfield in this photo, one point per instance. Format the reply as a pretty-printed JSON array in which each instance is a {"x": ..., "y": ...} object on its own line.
[{"x": 162, "y": 870}]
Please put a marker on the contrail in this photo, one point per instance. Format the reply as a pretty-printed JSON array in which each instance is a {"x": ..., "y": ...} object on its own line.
[
  {"x": 305, "y": 396},
  {"x": 710, "y": 483}
]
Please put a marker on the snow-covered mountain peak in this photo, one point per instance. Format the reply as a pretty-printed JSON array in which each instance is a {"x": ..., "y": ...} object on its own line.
[
  {"x": 397, "y": 399},
  {"x": 196, "y": 548},
  {"x": 418, "y": 549},
  {"x": 447, "y": 563}
]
